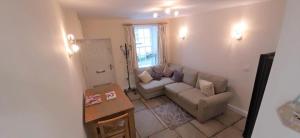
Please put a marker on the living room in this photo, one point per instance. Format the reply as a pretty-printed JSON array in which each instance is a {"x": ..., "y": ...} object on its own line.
[
  {"x": 157, "y": 69},
  {"x": 207, "y": 46}
]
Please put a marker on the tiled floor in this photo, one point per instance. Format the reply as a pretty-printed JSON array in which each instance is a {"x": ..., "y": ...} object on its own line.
[{"x": 149, "y": 125}]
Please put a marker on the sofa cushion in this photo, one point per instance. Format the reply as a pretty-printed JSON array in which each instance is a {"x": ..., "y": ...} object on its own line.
[
  {"x": 190, "y": 76},
  {"x": 177, "y": 87},
  {"x": 191, "y": 98},
  {"x": 220, "y": 83},
  {"x": 155, "y": 84}
]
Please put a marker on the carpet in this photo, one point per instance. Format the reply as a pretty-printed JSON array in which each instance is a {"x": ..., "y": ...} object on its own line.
[{"x": 172, "y": 115}]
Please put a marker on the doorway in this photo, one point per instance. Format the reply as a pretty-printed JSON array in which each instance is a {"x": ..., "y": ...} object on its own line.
[
  {"x": 262, "y": 76},
  {"x": 97, "y": 60}
]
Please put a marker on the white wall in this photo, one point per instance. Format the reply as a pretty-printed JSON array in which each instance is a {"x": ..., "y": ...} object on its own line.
[
  {"x": 210, "y": 48},
  {"x": 41, "y": 88},
  {"x": 97, "y": 28},
  {"x": 72, "y": 23},
  {"x": 283, "y": 85}
]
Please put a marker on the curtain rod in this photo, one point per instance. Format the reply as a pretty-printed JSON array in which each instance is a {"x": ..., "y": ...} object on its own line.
[{"x": 128, "y": 24}]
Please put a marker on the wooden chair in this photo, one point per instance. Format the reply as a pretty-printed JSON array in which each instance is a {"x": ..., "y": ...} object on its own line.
[{"x": 114, "y": 128}]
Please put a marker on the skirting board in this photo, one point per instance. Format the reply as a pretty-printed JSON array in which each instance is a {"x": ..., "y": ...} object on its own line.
[{"x": 238, "y": 110}]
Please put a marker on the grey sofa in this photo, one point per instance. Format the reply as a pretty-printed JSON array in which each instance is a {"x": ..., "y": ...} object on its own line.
[{"x": 187, "y": 94}]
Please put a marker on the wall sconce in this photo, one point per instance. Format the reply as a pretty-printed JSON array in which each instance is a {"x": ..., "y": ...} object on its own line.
[
  {"x": 183, "y": 32},
  {"x": 72, "y": 46},
  {"x": 238, "y": 30}
]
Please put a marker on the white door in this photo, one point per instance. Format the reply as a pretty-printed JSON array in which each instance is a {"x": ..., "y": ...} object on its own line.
[{"x": 97, "y": 60}]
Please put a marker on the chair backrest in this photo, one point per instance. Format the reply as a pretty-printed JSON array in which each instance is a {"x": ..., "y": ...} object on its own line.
[{"x": 114, "y": 127}]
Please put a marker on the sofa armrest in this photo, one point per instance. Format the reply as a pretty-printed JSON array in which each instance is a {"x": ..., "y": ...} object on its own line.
[
  {"x": 209, "y": 107},
  {"x": 215, "y": 100}
]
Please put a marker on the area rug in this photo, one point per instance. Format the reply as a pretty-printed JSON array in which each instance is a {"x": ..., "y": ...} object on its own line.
[{"x": 172, "y": 115}]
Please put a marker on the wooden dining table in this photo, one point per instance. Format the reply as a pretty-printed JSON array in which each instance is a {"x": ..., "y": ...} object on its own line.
[{"x": 107, "y": 109}]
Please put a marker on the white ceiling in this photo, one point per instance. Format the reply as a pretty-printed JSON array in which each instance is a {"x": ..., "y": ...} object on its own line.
[{"x": 137, "y": 9}]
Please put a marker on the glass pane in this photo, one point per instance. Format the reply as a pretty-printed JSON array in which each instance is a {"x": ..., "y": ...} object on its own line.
[{"x": 146, "y": 45}]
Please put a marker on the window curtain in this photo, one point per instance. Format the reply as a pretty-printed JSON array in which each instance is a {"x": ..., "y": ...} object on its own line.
[
  {"x": 162, "y": 44},
  {"x": 130, "y": 41}
]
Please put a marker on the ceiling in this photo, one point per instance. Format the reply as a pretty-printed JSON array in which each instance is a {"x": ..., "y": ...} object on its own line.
[{"x": 143, "y": 9}]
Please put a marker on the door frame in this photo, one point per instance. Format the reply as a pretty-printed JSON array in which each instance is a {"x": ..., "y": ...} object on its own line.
[
  {"x": 260, "y": 84},
  {"x": 83, "y": 65}
]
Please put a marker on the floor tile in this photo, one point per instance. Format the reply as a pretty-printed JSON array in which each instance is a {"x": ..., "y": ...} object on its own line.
[
  {"x": 229, "y": 118},
  {"x": 152, "y": 103},
  {"x": 133, "y": 96},
  {"x": 138, "y": 105},
  {"x": 189, "y": 131},
  {"x": 230, "y": 132},
  {"x": 146, "y": 123},
  {"x": 166, "y": 134},
  {"x": 209, "y": 128},
  {"x": 241, "y": 124}
]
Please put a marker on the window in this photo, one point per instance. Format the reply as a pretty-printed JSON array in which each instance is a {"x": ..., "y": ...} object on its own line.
[{"x": 146, "y": 45}]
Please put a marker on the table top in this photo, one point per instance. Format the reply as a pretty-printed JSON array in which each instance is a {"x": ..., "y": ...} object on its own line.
[{"x": 106, "y": 108}]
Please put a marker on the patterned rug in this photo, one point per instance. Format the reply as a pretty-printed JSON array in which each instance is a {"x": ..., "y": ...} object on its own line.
[{"x": 172, "y": 115}]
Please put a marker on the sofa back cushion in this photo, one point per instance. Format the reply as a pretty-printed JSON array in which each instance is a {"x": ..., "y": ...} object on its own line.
[
  {"x": 167, "y": 72},
  {"x": 157, "y": 72},
  {"x": 189, "y": 76},
  {"x": 220, "y": 83},
  {"x": 138, "y": 71},
  {"x": 158, "y": 69}
]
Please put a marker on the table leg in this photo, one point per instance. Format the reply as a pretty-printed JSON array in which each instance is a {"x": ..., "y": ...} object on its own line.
[
  {"x": 132, "y": 124},
  {"x": 91, "y": 130}
]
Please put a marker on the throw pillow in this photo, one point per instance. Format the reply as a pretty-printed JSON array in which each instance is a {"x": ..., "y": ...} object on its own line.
[
  {"x": 168, "y": 72},
  {"x": 145, "y": 77},
  {"x": 157, "y": 72},
  {"x": 158, "y": 69},
  {"x": 156, "y": 76},
  {"x": 207, "y": 88},
  {"x": 177, "y": 76}
]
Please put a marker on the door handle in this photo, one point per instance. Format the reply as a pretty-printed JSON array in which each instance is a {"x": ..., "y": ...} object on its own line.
[{"x": 100, "y": 71}]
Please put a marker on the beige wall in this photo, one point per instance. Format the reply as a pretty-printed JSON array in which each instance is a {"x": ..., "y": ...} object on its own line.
[
  {"x": 210, "y": 48},
  {"x": 41, "y": 88},
  {"x": 97, "y": 28},
  {"x": 283, "y": 85}
]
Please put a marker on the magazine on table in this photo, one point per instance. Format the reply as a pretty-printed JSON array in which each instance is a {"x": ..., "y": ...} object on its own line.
[{"x": 93, "y": 99}]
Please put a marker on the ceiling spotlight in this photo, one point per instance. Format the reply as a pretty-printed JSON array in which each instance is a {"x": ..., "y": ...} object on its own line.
[
  {"x": 176, "y": 13},
  {"x": 169, "y": 2},
  {"x": 155, "y": 15},
  {"x": 168, "y": 10}
]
